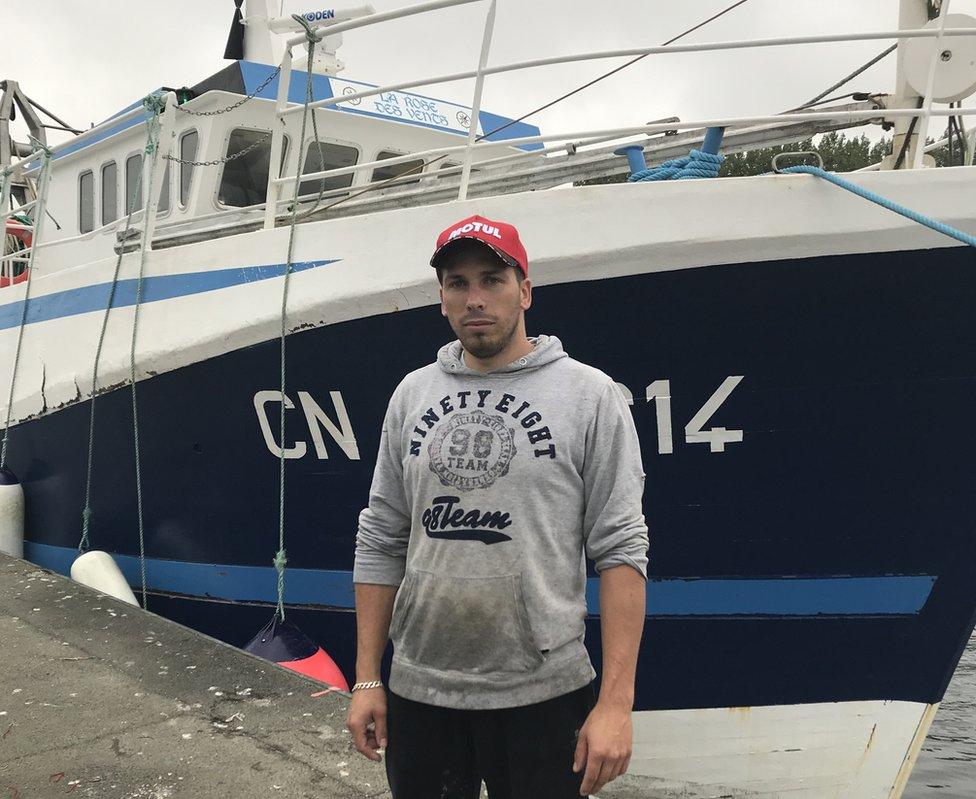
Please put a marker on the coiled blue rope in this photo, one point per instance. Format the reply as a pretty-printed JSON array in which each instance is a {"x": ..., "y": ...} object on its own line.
[
  {"x": 696, "y": 164},
  {"x": 884, "y": 202}
]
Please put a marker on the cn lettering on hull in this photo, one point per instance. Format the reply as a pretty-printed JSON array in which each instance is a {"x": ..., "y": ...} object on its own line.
[{"x": 316, "y": 420}]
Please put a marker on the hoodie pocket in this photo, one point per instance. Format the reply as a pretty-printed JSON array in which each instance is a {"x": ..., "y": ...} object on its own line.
[{"x": 474, "y": 624}]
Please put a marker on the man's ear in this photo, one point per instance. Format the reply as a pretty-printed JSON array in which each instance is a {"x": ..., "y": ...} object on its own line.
[{"x": 526, "y": 292}]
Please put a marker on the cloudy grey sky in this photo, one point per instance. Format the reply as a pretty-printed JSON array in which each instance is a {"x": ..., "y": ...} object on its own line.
[{"x": 84, "y": 61}]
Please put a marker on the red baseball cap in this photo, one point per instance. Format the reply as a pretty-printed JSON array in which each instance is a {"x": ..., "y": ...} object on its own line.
[{"x": 501, "y": 237}]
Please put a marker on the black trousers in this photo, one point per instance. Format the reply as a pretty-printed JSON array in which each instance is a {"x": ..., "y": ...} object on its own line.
[{"x": 520, "y": 752}]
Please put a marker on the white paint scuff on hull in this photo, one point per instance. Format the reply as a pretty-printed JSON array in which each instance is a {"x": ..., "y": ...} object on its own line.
[{"x": 829, "y": 750}]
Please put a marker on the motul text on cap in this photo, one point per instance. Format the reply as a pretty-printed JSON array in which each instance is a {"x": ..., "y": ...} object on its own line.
[{"x": 500, "y": 236}]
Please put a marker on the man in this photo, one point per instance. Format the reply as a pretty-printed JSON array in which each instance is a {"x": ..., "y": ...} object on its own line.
[{"x": 499, "y": 466}]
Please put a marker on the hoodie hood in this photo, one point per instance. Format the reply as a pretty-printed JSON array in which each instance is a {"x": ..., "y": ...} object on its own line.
[{"x": 547, "y": 349}]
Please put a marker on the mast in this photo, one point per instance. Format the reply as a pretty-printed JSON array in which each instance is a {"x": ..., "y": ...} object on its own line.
[
  {"x": 912, "y": 14},
  {"x": 259, "y": 43}
]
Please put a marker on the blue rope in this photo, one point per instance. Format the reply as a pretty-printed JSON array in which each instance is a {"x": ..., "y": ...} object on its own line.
[
  {"x": 884, "y": 202},
  {"x": 696, "y": 164}
]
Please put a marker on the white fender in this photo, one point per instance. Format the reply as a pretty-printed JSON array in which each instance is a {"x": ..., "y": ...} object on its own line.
[
  {"x": 98, "y": 570},
  {"x": 11, "y": 514}
]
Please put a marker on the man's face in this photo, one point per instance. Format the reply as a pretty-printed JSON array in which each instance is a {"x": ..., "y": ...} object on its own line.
[{"x": 483, "y": 299}]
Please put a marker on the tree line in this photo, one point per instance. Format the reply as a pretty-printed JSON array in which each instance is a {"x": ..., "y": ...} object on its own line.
[{"x": 839, "y": 152}]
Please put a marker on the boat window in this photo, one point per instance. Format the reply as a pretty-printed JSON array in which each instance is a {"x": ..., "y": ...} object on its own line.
[
  {"x": 133, "y": 166},
  {"x": 244, "y": 180},
  {"x": 333, "y": 156},
  {"x": 110, "y": 192},
  {"x": 163, "y": 205},
  {"x": 188, "y": 152},
  {"x": 86, "y": 202},
  {"x": 395, "y": 170}
]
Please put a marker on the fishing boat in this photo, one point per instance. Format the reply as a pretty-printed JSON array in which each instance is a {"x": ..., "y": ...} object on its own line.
[{"x": 208, "y": 299}]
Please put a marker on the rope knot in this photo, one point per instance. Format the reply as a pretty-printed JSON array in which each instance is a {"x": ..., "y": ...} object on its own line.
[
  {"x": 280, "y": 561},
  {"x": 154, "y": 103},
  {"x": 313, "y": 37},
  {"x": 696, "y": 164}
]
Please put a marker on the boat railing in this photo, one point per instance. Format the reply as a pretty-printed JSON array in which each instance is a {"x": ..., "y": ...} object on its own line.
[
  {"x": 284, "y": 109},
  {"x": 144, "y": 218},
  {"x": 565, "y": 165},
  {"x": 8, "y": 260},
  {"x": 530, "y": 168},
  {"x": 31, "y": 164},
  {"x": 626, "y": 132},
  {"x": 20, "y": 209}
]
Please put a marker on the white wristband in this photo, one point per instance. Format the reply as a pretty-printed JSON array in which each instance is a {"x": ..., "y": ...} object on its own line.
[{"x": 362, "y": 686}]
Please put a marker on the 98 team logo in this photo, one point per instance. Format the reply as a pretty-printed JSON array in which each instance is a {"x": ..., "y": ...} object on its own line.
[{"x": 472, "y": 450}]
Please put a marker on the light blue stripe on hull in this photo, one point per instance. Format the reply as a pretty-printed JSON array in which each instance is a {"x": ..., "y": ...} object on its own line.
[
  {"x": 884, "y": 595},
  {"x": 87, "y": 299}
]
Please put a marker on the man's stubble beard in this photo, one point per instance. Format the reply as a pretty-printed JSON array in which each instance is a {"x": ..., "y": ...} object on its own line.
[{"x": 487, "y": 347}]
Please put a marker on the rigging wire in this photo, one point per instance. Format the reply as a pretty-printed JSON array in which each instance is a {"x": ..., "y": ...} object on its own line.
[
  {"x": 864, "y": 67},
  {"x": 65, "y": 126},
  {"x": 615, "y": 70},
  {"x": 834, "y": 99},
  {"x": 908, "y": 138},
  {"x": 377, "y": 186}
]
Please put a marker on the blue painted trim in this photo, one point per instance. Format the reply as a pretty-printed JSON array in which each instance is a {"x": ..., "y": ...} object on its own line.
[
  {"x": 490, "y": 122},
  {"x": 888, "y": 595},
  {"x": 217, "y": 581},
  {"x": 254, "y": 74},
  {"x": 87, "y": 299},
  {"x": 74, "y": 146}
]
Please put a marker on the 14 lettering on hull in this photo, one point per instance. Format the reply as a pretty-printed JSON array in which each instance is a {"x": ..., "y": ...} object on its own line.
[{"x": 341, "y": 432}]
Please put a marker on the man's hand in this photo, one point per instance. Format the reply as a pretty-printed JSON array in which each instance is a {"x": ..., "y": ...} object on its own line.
[
  {"x": 604, "y": 746},
  {"x": 367, "y": 721},
  {"x": 367, "y": 710}
]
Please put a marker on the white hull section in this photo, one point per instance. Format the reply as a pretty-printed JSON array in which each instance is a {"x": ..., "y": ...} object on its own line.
[
  {"x": 381, "y": 263},
  {"x": 830, "y": 750}
]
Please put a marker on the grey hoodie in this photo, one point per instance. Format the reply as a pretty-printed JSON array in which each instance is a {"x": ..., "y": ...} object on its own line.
[{"x": 488, "y": 490}]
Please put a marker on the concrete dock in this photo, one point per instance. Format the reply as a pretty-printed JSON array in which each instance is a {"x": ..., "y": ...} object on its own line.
[{"x": 100, "y": 699}]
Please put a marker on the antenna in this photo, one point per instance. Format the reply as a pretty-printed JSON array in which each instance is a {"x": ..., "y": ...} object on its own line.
[{"x": 253, "y": 34}]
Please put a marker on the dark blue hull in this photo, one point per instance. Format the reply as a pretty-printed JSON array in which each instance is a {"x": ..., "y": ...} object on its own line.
[{"x": 829, "y": 555}]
